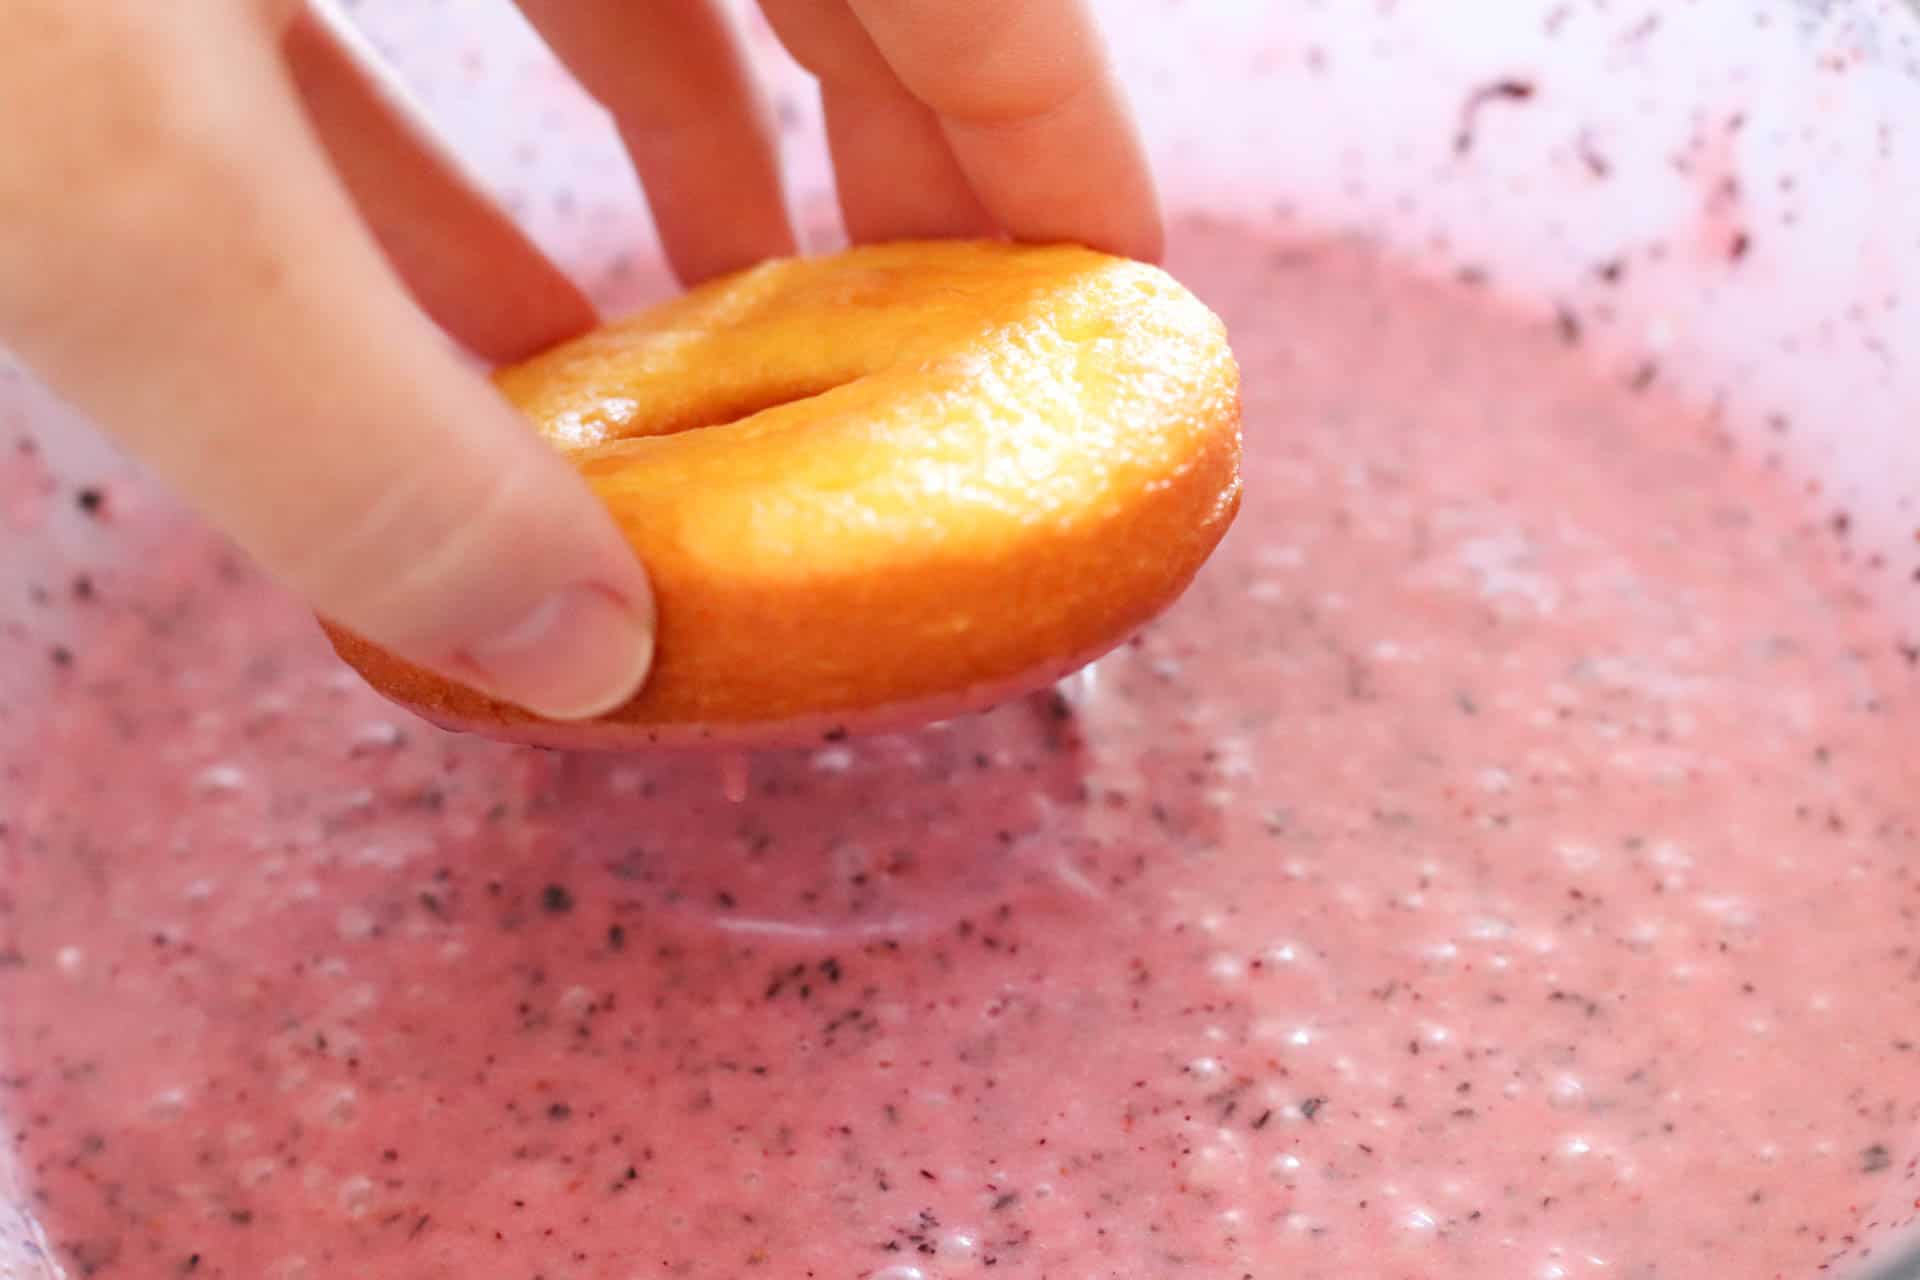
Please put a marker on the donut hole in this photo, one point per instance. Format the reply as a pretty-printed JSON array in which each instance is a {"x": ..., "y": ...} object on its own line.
[
  {"x": 720, "y": 411},
  {"x": 643, "y": 412}
]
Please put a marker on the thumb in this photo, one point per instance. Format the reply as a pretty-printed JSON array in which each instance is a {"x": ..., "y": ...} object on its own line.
[{"x": 205, "y": 291}]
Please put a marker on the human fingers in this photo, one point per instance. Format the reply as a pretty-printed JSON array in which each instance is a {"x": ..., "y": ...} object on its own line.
[
  {"x": 1036, "y": 118},
  {"x": 675, "y": 77},
  {"x": 180, "y": 261},
  {"x": 895, "y": 172},
  {"x": 472, "y": 269}
]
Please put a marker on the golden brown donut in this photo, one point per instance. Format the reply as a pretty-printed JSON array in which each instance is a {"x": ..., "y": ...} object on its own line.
[{"x": 892, "y": 485}]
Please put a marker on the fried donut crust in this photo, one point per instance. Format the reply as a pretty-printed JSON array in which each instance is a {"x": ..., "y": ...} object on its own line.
[{"x": 895, "y": 484}]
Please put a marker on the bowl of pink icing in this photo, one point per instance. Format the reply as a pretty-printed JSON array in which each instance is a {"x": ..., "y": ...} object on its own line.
[{"x": 1505, "y": 861}]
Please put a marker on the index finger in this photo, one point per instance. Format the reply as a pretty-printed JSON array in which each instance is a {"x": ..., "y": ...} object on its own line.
[{"x": 1033, "y": 112}]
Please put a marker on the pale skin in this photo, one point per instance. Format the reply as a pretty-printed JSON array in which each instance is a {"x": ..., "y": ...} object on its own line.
[{"x": 226, "y": 238}]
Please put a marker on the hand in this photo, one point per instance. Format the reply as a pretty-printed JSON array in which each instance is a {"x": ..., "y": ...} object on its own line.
[{"x": 224, "y": 236}]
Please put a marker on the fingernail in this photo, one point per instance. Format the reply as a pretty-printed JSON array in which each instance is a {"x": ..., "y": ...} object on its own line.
[{"x": 577, "y": 654}]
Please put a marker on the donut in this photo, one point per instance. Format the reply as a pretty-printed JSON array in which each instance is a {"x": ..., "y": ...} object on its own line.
[{"x": 883, "y": 487}]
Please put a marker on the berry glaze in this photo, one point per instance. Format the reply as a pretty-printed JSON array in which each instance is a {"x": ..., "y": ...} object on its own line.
[{"x": 1499, "y": 864}]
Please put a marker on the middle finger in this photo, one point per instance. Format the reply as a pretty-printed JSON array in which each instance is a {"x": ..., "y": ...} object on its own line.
[
  {"x": 895, "y": 172},
  {"x": 676, "y": 78}
]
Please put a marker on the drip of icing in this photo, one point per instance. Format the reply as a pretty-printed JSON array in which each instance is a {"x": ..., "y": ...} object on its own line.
[{"x": 736, "y": 768}]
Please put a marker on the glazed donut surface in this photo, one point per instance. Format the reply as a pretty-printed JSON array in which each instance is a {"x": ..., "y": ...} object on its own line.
[{"x": 895, "y": 484}]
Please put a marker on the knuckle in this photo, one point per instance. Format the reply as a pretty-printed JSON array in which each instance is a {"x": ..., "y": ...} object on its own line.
[
  {"x": 1020, "y": 102},
  {"x": 397, "y": 557}
]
